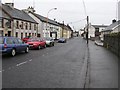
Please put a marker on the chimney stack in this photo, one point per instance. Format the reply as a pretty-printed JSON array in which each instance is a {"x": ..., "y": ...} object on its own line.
[
  {"x": 10, "y": 4},
  {"x": 113, "y": 21}
]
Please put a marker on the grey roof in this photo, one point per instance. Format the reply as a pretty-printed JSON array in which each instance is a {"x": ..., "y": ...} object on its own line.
[
  {"x": 44, "y": 19},
  {"x": 17, "y": 14},
  {"x": 98, "y": 26},
  {"x": 110, "y": 28}
]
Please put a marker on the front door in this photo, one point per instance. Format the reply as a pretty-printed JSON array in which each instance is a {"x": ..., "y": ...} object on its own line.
[{"x": 9, "y": 33}]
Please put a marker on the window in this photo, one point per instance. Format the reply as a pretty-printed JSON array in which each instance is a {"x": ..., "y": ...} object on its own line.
[
  {"x": 30, "y": 34},
  {"x": 1, "y": 33},
  {"x": 16, "y": 34},
  {"x": 8, "y": 24},
  {"x": 21, "y": 35},
  {"x": 1, "y": 40},
  {"x": 17, "y": 24},
  {"x": 9, "y": 41},
  {"x": 26, "y": 26},
  {"x": 15, "y": 41},
  {"x": 20, "y": 41},
  {"x": 30, "y": 26},
  {"x": 21, "y": 25},
  {"x": 35, "y": 27},
  {"x": 25, "y": 34}
]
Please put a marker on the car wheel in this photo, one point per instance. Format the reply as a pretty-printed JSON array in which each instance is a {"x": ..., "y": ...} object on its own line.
[
  {"x": 27, "y": 50},
  {"x": 13, "y": 52},
  {"x": 39, "y": 47},
  {"x": 53, "y": 44},
  {"x": 45, "y": 46}
]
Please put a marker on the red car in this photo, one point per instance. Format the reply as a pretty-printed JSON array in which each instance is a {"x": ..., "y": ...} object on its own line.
[
  {"x": 26, "y": 39},
  {"x": 36, "y": 43}
]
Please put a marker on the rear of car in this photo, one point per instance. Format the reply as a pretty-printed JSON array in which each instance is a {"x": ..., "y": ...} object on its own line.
[
  {"x": 49, "y": 41},
  {"x": 36, "y": 43},
  {"x": 12, "y": 45},
  {"x": 62, "y": 40}
]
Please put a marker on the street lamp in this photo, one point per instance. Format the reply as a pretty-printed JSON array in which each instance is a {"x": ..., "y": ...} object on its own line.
[{"x": 47, "y": 18}]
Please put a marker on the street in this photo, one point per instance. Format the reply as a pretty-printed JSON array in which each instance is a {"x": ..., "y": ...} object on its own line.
[{"x": 61, "y": 66}]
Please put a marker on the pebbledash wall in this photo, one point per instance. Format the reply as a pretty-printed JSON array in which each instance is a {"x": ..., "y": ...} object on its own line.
[{"x": 112, "y": 42}]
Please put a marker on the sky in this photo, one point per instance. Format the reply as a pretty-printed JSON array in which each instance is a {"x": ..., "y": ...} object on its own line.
[{"x": 73, "y": 12}]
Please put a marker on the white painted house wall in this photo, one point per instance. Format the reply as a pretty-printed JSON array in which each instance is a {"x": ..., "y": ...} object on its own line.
[{"x": 40, "y": 24}]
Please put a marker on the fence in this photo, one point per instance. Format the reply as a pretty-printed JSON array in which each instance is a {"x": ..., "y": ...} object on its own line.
[{"x": 112, "y": 42}]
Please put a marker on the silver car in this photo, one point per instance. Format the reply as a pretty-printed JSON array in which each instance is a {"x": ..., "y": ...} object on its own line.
[{"x": 49, "y": 41}]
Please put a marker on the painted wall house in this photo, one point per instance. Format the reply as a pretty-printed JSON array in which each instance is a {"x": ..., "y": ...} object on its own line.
[
  {"x": 5, "y": 23},
  {"x": 46, "y": 27},
  {"x": 113, "y": 28},
  {"x": 95, "y": 31},
  {"x": 66, "y": 31},
  {"x": 22, "y": 24}
]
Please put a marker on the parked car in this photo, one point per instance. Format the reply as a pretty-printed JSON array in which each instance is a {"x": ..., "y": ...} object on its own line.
[
  {"x": 49, "y": 41},
  {"x": 62, "y": 40},
  {"x": 12, "y": 45},
  {"x": 36, "y": 43},
  {"x": 25, "y": 39}
]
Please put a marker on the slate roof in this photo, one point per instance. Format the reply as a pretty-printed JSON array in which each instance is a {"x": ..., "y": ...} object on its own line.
[
  {"x": 44, "y": 19},
  {"x": 112, "y": 26},
  {"x": 17, "y": 14},
  {"x": 98, "y": 26}
]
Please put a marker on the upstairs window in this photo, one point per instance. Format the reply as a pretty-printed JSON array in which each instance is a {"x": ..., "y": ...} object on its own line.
[
  {"x": 30, "y": 27},
  {"x": 35, "y": 27},
  {"x": 17, "y": 24},
  {"x": 26, "y": 26}
]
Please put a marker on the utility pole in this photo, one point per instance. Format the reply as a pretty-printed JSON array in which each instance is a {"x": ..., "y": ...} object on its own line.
[{"x": 87, "y": 29}]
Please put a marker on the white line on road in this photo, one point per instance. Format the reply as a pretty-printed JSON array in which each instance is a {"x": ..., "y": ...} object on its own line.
[
  {"x": 21, "y": 63},
  {"x": 30, "y": 60}
]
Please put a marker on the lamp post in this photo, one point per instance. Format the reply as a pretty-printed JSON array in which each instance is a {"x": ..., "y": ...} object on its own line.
[{"x": 46, "y": 33}]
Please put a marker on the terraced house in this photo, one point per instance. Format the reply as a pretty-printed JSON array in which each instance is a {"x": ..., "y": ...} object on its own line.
[
  {"x": 16, "y": 22},
  {"x": 46, "y": 26}
]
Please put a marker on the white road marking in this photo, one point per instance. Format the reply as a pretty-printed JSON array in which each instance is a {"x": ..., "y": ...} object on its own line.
[
  {"x": 43, "y": 55},
  {"x": 21, "y": 63},
  {"x": 30, "y": 60}
]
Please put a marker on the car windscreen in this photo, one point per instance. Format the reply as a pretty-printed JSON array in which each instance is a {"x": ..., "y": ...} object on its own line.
[{"x": 1, "y": 40}]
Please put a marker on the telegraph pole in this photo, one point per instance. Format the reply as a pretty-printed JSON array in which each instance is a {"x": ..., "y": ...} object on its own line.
[{"x": 87, "y": 29}]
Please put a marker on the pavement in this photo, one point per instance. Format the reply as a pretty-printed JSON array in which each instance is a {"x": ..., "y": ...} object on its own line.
[{"x": 103, "y": 66}]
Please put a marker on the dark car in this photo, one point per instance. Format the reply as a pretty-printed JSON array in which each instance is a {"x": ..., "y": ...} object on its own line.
[
  {"x": 49, "y": 41},
  {"x": 12, "y": 45},
  {"x": 62, "y": 40},
  {"x": 36, "y": 43}
]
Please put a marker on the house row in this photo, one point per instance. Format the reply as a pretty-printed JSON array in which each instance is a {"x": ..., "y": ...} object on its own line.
[
  {"x": 97, "y": 32},
  {"x": 23, "y": 23},
  {"x": 94, "y": 31}
]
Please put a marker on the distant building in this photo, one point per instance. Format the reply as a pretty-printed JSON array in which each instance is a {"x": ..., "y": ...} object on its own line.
[{"x": 94, "y": 31}]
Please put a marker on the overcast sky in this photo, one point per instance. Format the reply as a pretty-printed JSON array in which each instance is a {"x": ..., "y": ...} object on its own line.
[{"x": 99, "y": 11}]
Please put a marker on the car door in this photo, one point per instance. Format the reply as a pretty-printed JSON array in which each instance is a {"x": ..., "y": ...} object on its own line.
[
  {"x": 16, "y": 44},
  {"x": 42, "y": 42},
  {"x": 22, "y": 45}
]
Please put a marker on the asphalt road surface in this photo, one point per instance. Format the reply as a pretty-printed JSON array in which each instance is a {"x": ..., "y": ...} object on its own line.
[{"x": 61, "y": 66}]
